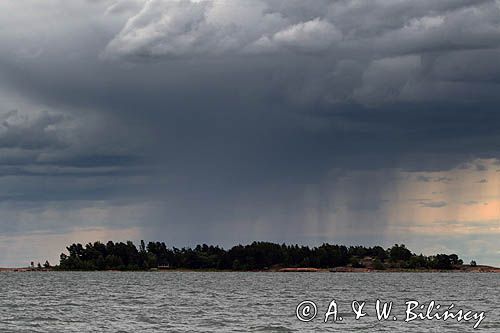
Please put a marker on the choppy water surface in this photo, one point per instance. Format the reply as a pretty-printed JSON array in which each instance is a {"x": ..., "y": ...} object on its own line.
[{"x": 234, "y": 302}]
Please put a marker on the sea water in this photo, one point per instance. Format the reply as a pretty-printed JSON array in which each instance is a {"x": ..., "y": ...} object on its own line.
[{"x": 243, "y": 302}]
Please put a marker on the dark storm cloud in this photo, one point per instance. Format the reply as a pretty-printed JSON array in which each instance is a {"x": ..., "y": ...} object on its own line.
[
  {"x": 427, "y": 179},
  {"x": 184, "y": 28},
  {"x": 481, "y": 167},
  {"x": 231, "y": 108},
  {"x": 424, "y": 179},
  {"x": 433, "y": 204},
  {"x": 17, "y": 131}
]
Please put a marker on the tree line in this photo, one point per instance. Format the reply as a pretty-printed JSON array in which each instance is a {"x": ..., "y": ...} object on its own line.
[{"x": 255, "y": 256}]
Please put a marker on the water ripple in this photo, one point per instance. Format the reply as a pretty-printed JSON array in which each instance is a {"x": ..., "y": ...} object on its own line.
[{"x": 231, "y": 302}]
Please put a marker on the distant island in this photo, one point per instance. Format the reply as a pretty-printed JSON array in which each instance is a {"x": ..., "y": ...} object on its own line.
[{"x": 257, "y": 256}]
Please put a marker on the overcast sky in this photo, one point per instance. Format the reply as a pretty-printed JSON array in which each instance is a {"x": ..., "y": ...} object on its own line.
[{"x": 349, "y": 121}]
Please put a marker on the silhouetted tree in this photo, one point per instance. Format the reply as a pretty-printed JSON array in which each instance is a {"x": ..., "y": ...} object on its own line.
[
  {"x": 399, "y": 252},
  {"x": 254, "y": 256},
  {"x": 441, "y": 261}
]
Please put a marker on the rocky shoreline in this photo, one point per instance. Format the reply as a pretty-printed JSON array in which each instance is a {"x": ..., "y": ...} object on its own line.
[
  {"x": 347, "y": 269},
  {"x": 344, "y": 269}
]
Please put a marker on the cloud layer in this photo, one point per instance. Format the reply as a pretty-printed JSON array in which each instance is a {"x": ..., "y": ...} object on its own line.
[
  {"x": 288, "y": 120},
  {"x": 400, "y": 51}
]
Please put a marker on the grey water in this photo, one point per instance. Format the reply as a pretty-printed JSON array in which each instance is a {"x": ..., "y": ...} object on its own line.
[{"x": 236, "y": 302}]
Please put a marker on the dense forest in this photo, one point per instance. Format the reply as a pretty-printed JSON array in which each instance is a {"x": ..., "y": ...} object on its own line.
[{"x": 256, "y": 256}]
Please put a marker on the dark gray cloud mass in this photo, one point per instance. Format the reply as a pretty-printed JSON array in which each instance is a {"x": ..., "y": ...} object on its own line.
[{"x": 237, "y": 116}]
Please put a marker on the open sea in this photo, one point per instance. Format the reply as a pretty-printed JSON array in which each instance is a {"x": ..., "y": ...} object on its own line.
[{"x": 239, "y": 302}]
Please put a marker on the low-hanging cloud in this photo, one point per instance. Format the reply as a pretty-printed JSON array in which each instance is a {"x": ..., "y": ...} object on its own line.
[{"x": 30, "y": 131}]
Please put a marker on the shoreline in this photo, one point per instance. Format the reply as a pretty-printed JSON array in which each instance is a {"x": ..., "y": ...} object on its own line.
[{"x": 463, "y": 269}]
